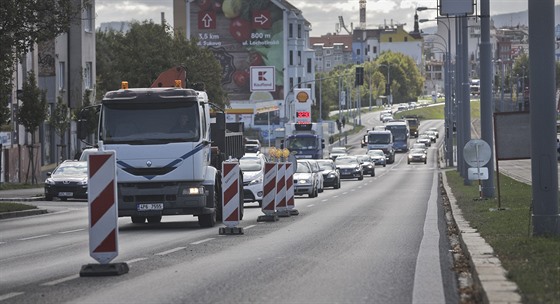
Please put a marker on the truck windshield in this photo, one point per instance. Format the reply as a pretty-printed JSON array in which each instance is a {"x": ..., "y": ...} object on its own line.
[
  {"x": 379, "y": 138},
  {"x": 140, "y": 123},
  {"x": 301, "y": 143}
]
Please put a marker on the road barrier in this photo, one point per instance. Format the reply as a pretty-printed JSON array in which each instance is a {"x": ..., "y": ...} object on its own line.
[
  {"x": 103, "y": 226},
  {"x": 290, "y": 201},
  {"x": 269, "y": 194},
  {"x": 230, "y": 198},
  {"x": 281, "y": 206}
]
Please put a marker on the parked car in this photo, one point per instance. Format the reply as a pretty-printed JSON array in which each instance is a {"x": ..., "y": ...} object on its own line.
[
  {"x": 417, "y": 155},
  {"x": 378, "y": 157},
  {"x": 304, "y": 180},
  {"x": 349, "y": 167},
  {"x": 337, "y": 151},
  {"x": 318, "y": 174},
  {"x": 368, "y": 166},
  {"x": 331, "y": 176},
  {"x": 252, "y": 166},
  {"x": 68, "y": 180}
]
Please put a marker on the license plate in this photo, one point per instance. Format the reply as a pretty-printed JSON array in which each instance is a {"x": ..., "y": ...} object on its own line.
[
  {"x": 149, "y": 207},
  {"x": 66, "y": 194}
]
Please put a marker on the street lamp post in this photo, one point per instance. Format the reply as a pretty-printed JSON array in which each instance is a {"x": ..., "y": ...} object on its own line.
[
  {"x": 390, "y": 96},
  {"x": 448, "y": 91}
]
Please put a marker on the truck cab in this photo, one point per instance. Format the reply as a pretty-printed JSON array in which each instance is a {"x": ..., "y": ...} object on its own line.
[{"x": 382, "y": 140}]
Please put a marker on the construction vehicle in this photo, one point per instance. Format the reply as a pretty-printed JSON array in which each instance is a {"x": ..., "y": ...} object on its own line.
[
  {"x": 170, "y": 144},
  {"x": 413, "y": 125}
]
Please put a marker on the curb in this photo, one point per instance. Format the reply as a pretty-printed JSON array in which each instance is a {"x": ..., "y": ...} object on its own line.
[
  {"x": 21, "y": 199},
  {"x": 14, "y": 214},
  {"x": 487, "y": 269}
]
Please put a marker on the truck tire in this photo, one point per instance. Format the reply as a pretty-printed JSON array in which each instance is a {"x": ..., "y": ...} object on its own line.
[
  {"x": 138, "y": 219},
  {"x": 48, "y": 197},
  {"x": 207, "y": 220}
]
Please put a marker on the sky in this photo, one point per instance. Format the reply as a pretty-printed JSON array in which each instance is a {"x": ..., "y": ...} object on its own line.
[{"x": 322, "y": 14}]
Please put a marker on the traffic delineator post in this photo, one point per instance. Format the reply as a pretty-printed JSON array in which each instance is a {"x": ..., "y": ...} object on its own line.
[
  {"x": 269, "y": 194},
  {"x": 290, "y": 201},
  {"x": 103, "y": 216},
  {"x": 281, "y": 206},
  {"x": 230, "y": 199}
]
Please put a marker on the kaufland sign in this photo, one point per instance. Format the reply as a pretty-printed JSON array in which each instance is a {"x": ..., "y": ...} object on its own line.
[{"x": 262, "y": 78}]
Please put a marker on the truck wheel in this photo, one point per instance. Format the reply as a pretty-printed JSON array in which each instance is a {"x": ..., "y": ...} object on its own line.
[
  {"x": 207, "y": 220},
  {"x": 48, "y": 197},
  {"x": 138, "y": 219},
  {"x": 154, "y": 219}
]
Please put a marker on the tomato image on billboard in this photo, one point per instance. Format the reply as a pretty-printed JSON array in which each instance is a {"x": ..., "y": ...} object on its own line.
[{"x": 241, "y": 34}]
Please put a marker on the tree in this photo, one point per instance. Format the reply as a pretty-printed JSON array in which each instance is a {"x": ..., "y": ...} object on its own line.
[
  {"x": 22, "y": 24},
  {"x": 148, "y": 49},
  {"x": 31, "y": 114},
  {"x": 60, "y": 120}
]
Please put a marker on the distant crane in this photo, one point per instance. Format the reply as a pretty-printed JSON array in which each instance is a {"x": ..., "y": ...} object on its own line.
[
  {"x": 363, "y": 14},
  {"x": 342, "y": 25}
]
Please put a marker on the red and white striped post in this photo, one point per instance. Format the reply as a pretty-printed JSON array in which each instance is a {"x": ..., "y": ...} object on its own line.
[
  {"x": 290, "y": 201},
  {"x": 103, "y": 215},
  {"x": 281, "y": 206},
  {"x": 230, "y": 198},
  {"x": 269, "y": 194}
]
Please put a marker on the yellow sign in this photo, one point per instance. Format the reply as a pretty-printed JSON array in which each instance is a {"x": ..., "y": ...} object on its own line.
[{"x": 302, "y": 96}]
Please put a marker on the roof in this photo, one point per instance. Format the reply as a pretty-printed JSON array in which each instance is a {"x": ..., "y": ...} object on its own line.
[{"x": 330, "y": 40}]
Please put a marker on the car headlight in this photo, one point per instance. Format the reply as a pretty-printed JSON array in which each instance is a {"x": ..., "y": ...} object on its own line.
[
  {"x": 409, "y": 156},
  {"x": 49, "y": 181},
  {"x": 83, "y": 182},
  {"x": 357, "y": 169},
  {"x": 331, "y": 175},
  {"x": 304, "y": 181},
  {"x": 257, "y": 180}
]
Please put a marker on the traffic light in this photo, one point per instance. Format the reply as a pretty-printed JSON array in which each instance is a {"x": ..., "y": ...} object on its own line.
[
  {"x": 338, "y": 124},
  {"x": 387, "y": 89},
  {"x": 359, "y": 76}
]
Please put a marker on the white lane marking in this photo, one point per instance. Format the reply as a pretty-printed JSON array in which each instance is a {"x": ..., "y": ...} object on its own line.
[
  {"x": 250, "y": 226},
  {"x": 62, "y": 280},
  {"x": 170, "y": 251},
  {"x": 1, "y": 243},
  {"x": 135, "y": 260},
  {"x": 202, "y": 241},
  {"x": 428, "y": 287},
  {"x": 325, "y": 200},
  {"x": 70, "y": 231},
  {"x": 34, "y": 237},
  {"x": 335, "y": 196},
  {"x": 310, "y": 205},
  {"x": 10, "y": 295}
]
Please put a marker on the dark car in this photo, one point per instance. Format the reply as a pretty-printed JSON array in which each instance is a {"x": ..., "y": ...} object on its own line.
[
  {"x": 349, "y": 167},
  {"x": 368, "y": 164},
  {"x": 331, "y": 176},
  {"x": 68, "y": 180}
]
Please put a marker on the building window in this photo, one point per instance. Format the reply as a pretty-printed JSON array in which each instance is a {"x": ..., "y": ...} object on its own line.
[
  {"x": 328, "y": 64},
  {"x": 291, "y": 83},
  {"x": 61, "y": 75},
  {"x": 299, "y": 57},
  {"x": 88, "y": 22},
  {"x": 358, "y": 52},
  {"x": 291, "y": 57},
  {"x": 299, "y": 30},
  {"x": 88, "y": 74},
  {"x": 309, "y": 65},
  {"x": 299, "y": 81},
  {"x": 290, "y": 30},
  {"x": 375, "y": 50}
]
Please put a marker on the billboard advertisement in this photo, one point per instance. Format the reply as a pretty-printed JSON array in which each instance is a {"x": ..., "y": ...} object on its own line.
[{"x": 241, "y": 34}]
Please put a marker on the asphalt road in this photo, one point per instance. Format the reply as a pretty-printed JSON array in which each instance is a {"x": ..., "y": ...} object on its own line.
[{"x": 382, "y": 240}]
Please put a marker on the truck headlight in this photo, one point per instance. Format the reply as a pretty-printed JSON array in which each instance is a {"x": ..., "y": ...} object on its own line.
[{"x": 193, "y": 191}]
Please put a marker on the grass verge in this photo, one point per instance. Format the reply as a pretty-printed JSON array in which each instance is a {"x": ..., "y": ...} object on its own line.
[
  {"x": 532, "y": 262},
  {"x": 11, "y": 207}
]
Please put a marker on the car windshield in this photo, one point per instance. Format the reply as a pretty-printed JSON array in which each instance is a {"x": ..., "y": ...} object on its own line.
[
  {"x": 413, "y": 151},
  {"x": 72, "y": 169},
  {"x": 376, "y": 153},
  {"x": 338, "y": 150},
  {"x": 346, "y": 161},
  {"x": 302, "y": 168},
  {"x": 325, "y": 164},
  {"x": 250, "y": 164}
]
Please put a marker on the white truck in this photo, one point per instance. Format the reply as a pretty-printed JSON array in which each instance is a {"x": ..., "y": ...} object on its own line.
[
  {"x": 305, "y": 140},
  {"x": 165, "y": 167}
]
